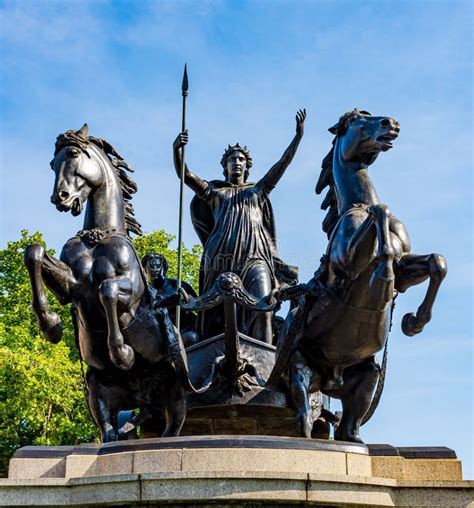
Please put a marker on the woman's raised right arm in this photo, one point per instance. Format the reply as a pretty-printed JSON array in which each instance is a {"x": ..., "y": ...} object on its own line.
[{"x": 198, "y": 185}]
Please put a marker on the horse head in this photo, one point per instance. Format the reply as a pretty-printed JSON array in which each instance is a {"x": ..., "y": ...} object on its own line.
[
  {"x": 361, "y": 136},
  {"x": 82, "y": 164},
  {"x": 76, "y": 171}
]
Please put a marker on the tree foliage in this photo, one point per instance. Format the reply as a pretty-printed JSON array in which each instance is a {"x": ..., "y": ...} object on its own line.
[{"x": 41, "y": 387}]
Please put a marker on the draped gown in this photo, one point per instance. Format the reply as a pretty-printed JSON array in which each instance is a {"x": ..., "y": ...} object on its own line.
[{"x": 236, "y": 226}]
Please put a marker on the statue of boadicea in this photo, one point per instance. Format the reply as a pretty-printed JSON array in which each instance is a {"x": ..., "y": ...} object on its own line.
[{"x": 235, "y": 223}]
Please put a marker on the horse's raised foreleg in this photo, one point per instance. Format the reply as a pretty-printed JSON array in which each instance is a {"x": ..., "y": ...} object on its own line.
[
  {"x": 358, "y": 246},
  {"x": 114, "y": 293},
  {"x": 412, "y": 270},
  {"x": 382, "y": 280},
  {"x": 353, "y": 246},
  {"x": 356, "y": 396},
  {"x": 58, "y": 277}
]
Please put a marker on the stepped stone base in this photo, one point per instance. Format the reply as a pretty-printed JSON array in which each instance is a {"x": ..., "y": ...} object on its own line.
[{"x": 234, "y": 471}]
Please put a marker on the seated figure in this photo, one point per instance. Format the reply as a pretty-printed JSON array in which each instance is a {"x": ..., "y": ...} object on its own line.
[{"x": 165, "y": 294}]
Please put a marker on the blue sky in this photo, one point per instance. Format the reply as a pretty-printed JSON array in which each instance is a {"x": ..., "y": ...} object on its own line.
[{"x": 118, "y": 66}]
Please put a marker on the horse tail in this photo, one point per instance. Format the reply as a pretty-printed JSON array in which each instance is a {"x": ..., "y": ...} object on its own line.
[
  {"x": 378, "y": 391},
  {"x": 286, "y": 347},
  {"x": 178, "y": 355},
  {"x": 282, "y": 361}
]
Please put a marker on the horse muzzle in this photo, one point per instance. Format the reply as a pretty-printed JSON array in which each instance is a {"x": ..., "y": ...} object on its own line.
[
  {"x": 65, "y": 203},
  {"x": 392, "y": 129}
]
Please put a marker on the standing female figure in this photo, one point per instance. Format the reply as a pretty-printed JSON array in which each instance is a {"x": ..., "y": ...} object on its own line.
[{"x": 235, "y": 223}]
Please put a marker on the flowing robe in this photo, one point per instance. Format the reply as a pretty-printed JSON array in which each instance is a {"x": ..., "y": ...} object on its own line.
[{"x": 236, "y": 226}]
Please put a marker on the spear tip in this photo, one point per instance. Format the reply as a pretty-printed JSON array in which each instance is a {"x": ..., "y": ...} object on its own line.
[{"x": 184, "y": 86}]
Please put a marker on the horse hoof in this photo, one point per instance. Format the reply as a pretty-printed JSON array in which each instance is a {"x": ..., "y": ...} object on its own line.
[
  {"x": 109, "y": 436},
  {"x": 305, "y": 425},
  {"x": 123, "y": 357},
  {"x": 352, "y": 437},
  {"x": 52, "y": 327},
  {"x": 410, "y": 325}
]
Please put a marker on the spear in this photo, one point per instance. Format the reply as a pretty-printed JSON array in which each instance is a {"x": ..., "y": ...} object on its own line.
[{"x": 184, "y": 93}]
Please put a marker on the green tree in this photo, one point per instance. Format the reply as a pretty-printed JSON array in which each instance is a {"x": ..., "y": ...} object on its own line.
[{"x": 41, "y": 387}]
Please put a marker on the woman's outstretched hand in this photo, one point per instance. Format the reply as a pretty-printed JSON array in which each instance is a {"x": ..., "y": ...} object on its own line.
[{"x": 300, "y": 118}]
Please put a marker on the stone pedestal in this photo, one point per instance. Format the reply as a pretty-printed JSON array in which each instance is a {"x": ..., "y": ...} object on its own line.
[{"x": 235, "y": 471}]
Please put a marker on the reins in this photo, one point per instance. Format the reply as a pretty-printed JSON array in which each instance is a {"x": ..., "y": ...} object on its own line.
[{"x": 383, "y": 370}]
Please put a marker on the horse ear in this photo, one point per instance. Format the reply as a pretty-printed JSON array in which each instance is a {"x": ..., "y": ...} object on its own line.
[
  {"x": 333, "y": 129},
  {"x": 83, "y": 132}
]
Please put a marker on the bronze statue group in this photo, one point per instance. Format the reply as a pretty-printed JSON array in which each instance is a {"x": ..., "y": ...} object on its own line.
[{"x": 124, "y": 308}]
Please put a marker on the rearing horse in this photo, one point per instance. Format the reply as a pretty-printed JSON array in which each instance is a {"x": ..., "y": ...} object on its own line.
[
  {"x": 134, "y": 354},
  {"x": 330, "y": 339}
]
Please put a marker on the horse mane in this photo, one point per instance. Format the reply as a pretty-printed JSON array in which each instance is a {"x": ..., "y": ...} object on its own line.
[
  {"x": 120, "y": 166},
  {"x": 326, "y": 176},
  {"x": 330, "y": 200}
]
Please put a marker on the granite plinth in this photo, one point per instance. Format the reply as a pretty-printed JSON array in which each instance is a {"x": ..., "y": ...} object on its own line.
[
  {"x": 235, "y": 471},
  {"x": 203, "y": 453}
]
